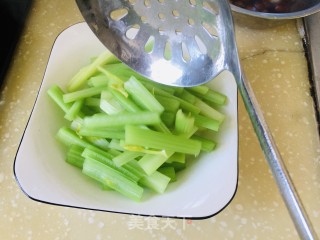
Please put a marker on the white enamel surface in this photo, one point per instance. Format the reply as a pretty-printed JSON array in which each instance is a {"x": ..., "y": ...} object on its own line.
[{"x": 202, "y": 190}]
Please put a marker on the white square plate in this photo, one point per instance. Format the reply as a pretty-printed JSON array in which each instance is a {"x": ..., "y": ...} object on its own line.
[{"x": 202, "y": 190}]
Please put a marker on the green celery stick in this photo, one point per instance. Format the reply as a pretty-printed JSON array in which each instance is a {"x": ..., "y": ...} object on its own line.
[
  {"x": 125, "y": 157},
  {"x": 169, "y": 104},
  {"x": 112, "y": 178},
  {"x": 187, "y": 96},
  {"x": 76, "y": 124},
  {"x": 150, "y": 163},
  {"x": 74, "y": 111},
  {"x": 214, "y": 97},
  {"x": 161, "y": 127},
  {"x": 103, "y": 133},
  {"x": 184, "y": 105},
  {"x": 88, "y": 71},
  {"x": 200, "y": 89},
  {"x": 137, "y": 118},
  {"x": 157, "y": 182},
  {"x": 125, "y": 102},
  {"x": 209, "y": 111},
  {"x": 134, "y": 168},
  {"x": 83, "y": 93},
  {"x": 158, "y": 140},
  {"x": 122, "y": 71},
  {"x": 101, "y": 143},
  {"x": 184, "y": 123},
  {"x": 209, "y": 123},
  {"x": 142, "y": 96},
  {"x": 68, "y": 137},
  {"x": 92, "y": 102},
  {"x": 168, "y": 118},
  {"x": 176, "y": 165},
  {"x": 169, "y": 172},
  {"x": 56, "y": 94},
  {"x": 154, "y": 86},
  {"x": 109, "y": 104},
  {"x": 74, "y": 156},
  {"x": 114, "y": 79},
  {"x": 97, "y": 156},
  {"x": 177, "y": 157},
  {"x": 207, "y": 145},
  {"x": 115, "y": 144},
  {"x": 98, "y": 81}
]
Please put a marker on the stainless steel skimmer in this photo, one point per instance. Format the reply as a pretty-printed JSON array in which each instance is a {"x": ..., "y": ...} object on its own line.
[{"x": 187, "y": 43}]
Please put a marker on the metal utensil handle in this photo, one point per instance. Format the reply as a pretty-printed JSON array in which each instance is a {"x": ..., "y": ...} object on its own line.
[{"x": 280, "y": 173}]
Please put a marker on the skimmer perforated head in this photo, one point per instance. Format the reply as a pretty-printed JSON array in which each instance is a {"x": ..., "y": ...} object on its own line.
[{"x": 174, "y": 42}]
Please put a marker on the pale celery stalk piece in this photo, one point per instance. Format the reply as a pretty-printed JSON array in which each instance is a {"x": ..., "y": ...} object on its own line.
[
  {"x": 56, "y": 94},
  {"x": 135, "y": 135},
  {"x": 125, "y": 157},
  {"x": 142, "y": 96},
  {"x": 112, "y": 178},
  {"x": 108, "y": 104},
  {"x": 83, "y": 93},
  {"x": 74, "y": 111},
  {"x": 138, "y": 118},
  {"x": 157, "y": 181},
  {"x": 88, "y": 71}
]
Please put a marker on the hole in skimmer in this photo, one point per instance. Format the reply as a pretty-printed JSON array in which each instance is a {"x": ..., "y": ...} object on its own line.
[{"x": 118, "y": 14}]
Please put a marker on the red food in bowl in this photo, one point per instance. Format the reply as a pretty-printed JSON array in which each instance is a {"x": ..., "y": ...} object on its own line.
[{"x": 272, "y": 6}]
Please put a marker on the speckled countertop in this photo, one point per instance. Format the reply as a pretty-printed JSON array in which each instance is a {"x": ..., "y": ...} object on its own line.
[{"x": 274, "y": 62}]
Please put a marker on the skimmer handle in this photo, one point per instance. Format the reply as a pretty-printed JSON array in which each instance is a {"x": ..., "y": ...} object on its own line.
[{"x": 278, "y": 168}]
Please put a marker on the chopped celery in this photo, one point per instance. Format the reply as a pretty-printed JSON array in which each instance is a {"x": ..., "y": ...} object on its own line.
[
  {"x": 157, "y": 181},
  {"x": 177, "y": 157},
  {"x": 88, "y": 71},
  {"x": 104, "y": 133},
  {"x": 68, "y": 137},
  {"x": 112, "y": 178},
  {"x": 209, "y": 123},
  {"x": 213, "y": 97},
  {"x": 125, "y": 157},
  {"x": 150, "y": 163},
  {"x": 169, "y": 104},
  {"x": 187, "y": 96},
  {"x": 176, "y": 165},
  {"x": 98, "y": 81},
  {"x": 169, "y": 172},
  {"x": 207, "y": 145},
  {"x": 143, "y": 137},
  {"x": 115, "y": 144},
  {"x": 92, "y": 102},
  {"x": 201, "y": 89},
  {"x": 83, "y": 93},
  {"x": 125, "y": 102},
  {"x": 138, "y": 118},
  {"x": 74, "y": 156},
  {"x": 74, "y": 110},
  {"x": 184, "y": 123},
  {"x": 94, "y": 155},
  {"x": 99, "y": 142},
  {"x": 129, "y": 133},
  {"x": 142, "y": 96},
  {"x": 56, "y": 94},
  {"x": 168, "y": 118},
  {"x": 189, "y": 107},
  {"x": 109, "y": 104},
  {"x": 209, "y": 111}
]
